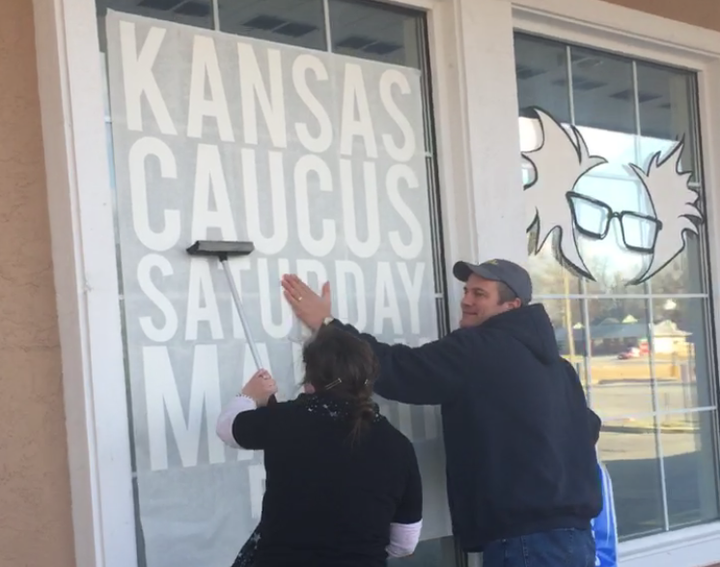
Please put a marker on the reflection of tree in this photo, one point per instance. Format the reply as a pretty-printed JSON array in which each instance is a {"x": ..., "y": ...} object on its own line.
[
  {"x": 607, "y": 277},
  {"x": 669, "y": 281},
  {"x": 549, "y": 278}
]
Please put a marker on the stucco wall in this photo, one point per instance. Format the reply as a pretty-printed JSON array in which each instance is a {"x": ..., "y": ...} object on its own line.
[
  {"x": 704, "y": 13},
  {"x": 35, "y": 523}
]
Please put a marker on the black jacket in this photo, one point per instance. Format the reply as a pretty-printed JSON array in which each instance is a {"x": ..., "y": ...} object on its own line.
[
  {"x": 519, "y": 437},
  {"x": 328, "y": 502}
]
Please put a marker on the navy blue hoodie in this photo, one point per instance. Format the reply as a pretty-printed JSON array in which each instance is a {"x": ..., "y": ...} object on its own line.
[{"x": 519, "y": 437}]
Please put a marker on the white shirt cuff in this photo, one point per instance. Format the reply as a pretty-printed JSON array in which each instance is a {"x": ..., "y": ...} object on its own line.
[{"x": 403, "y": 539}]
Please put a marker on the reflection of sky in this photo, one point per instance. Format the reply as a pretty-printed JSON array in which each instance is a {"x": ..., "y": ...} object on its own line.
[{"x": 616, "y": 185}]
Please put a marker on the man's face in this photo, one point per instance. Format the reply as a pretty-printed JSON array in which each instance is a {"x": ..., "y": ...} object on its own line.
[{"x": 482, "y": 301}]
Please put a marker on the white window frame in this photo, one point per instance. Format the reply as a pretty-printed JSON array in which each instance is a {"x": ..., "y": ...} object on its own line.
[{"x": 479, "y": 167}]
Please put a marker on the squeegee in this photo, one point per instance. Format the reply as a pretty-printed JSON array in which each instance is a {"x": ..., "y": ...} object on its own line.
[{"x": 222, "y": 250}]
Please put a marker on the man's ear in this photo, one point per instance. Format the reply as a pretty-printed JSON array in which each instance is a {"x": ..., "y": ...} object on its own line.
[{"x": 515, "y": 303}]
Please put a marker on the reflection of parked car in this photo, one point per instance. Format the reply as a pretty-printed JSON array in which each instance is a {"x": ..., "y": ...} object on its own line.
[{"x": 632, "y": 352}]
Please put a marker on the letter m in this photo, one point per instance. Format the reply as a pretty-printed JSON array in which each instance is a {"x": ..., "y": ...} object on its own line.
[{"x": 162, "y": 395}]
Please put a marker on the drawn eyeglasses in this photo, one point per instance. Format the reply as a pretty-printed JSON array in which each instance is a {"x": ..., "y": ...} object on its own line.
[{"x": 593, "y": 218}]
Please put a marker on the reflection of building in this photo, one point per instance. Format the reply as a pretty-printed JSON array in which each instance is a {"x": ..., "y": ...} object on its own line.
[
  {"x": 668, "y": 339},
  {"x": 69, "y": 456},
  {"x": 613, "y": 337}
]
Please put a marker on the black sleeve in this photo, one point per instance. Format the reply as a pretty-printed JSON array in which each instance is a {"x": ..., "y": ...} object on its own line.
[
  {"x": 251, "y": 429},
  {"x": 594, "y": 423},
  {"x": 431, "y": 374},
  {"x": 410, "y": 508}
]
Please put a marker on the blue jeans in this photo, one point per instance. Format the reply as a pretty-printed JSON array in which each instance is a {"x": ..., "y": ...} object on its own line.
[{"x": 556, "y": 548}]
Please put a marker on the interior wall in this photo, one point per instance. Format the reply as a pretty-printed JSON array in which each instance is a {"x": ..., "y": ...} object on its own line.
[
  {"x": 703, "y": 13},
  {"x": 35, "y": 515}
]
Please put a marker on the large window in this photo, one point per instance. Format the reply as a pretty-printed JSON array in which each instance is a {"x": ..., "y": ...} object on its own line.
[
  {"x": 617, "y": 246},
  {"x": 181, "y": 510}
]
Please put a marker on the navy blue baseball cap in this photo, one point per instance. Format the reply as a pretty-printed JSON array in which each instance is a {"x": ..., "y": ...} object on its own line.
[{"x": 511, "y": 274}]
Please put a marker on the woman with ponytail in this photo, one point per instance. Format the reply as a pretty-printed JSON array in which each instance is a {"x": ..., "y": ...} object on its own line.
[{"x": 342, "y": 484}]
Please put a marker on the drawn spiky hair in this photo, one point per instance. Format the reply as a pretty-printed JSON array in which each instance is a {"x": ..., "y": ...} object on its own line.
[
  {"x": 674, "y": 204},
  {"x": 559, "y": 163}
]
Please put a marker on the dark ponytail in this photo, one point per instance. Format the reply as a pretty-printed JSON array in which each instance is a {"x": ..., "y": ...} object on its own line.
[
  {"x": 346, "y": 368},
  {"x": 363, "y": 415}
]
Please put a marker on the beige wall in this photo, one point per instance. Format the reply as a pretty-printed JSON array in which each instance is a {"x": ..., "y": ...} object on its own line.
[
  {"x": 35, "y": 523},
  {"x": 705, "y": 13}
]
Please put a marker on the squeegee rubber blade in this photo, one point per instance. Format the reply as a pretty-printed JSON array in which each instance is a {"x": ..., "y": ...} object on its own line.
[{"x": 221, "y": 247}]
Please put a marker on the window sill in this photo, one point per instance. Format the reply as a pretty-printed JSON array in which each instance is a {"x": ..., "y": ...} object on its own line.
[{"x": 698, "y": 546}]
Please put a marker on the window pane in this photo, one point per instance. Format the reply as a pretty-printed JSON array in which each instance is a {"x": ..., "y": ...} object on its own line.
[
  {"x": 682, "y": 361},
  {"x": 612, "y": 215},
  {"x": 602, "y": 87},
  {"x": 190, "y": 12},
  {"x": 666, "y": 104},
  {"x": 549, "y": 277},
  {"x": 630, "y": 455},
  {"x": 690, "y": 469},
  {"x": 685, "y": 273},
  {"x": 614, "y": 207},
  {"x": 295, "y": 22},
  {"x": 541, "y": 69},
  {"x": 620, "y": 365},
  {"x": 374, "y": 31}
]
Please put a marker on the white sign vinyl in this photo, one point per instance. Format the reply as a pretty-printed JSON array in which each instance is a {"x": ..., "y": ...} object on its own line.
[{"x": 316, "y": 158}]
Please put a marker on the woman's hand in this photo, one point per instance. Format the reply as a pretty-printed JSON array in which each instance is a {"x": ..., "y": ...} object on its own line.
[{"x": 260, "y": 387}]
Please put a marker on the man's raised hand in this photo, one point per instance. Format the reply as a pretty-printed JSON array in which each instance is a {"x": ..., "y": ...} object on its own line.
[{"x": 312, "y": 309}]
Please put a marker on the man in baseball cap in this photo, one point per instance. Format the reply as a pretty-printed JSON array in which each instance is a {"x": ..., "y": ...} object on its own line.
[
  {"x": 522, "y": 477},
  {"x": 495, "y": 287},
  {"x": 512, "y": 275}
]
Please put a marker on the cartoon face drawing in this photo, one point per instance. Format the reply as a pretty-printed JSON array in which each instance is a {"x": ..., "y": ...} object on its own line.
[
  {"x": 653, "y": 230},
  {"x": 638, "y": 231},
  {"x": 614, "y": 225}
]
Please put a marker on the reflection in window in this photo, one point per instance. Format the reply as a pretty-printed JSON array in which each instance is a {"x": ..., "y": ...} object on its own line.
[
  {"x": 602, "y": 81},
  {"x": 294, "y": 22},
  {"x": 630, "y": 454},
  {"x": 198, "y": 13},
  {"x": 606, "y": 176},
  {"x": 690, "y": 471},
  {"x": 371, "y": 31}
]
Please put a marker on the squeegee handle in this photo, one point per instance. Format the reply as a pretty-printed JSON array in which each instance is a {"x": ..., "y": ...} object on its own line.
[{"x": 241, "y": 312}]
